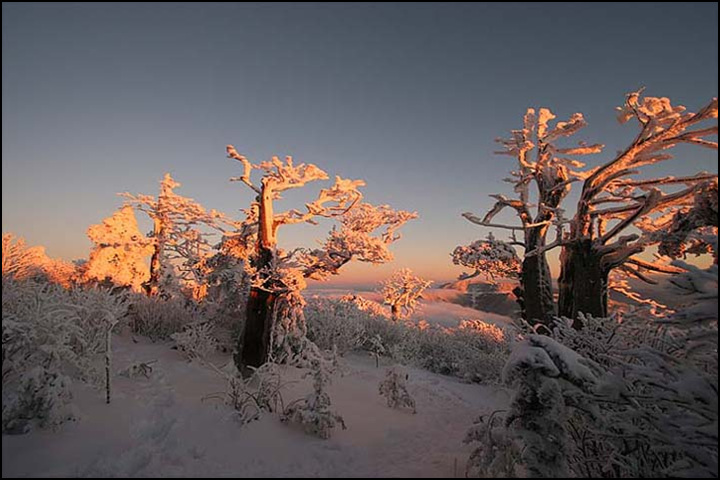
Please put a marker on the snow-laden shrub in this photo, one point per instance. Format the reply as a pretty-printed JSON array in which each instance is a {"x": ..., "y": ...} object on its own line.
[
  {"x": 92, "y": 308},
  {"x": 497, "y": 451},
  {"x": 196, "y": 341},
  {"x": 547, "y": 377},
  {"x": 50, "y": 335},
  {"x": 474, "y": 350},
  {"x": 313, "y": 412},
  {"x": 395, "y": 391},
  {"x": 39, "y": 396},
  {"x": 654, "y": 411},
  {"x": 138, "y": 369},
  {"x": 157, "y": 318},
  {"x": 335, "y": 324},
  {"x": 651, "y": 410}
]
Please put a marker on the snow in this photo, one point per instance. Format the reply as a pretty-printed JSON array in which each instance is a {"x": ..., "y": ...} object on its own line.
[{"x": 161, "y": 426}]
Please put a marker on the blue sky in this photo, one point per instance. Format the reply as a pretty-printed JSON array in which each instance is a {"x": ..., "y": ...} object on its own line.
[{"x": 104, "y": 98}]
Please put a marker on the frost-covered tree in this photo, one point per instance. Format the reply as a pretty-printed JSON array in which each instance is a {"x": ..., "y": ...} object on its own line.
[
  {"x": 120, "y": 251},
  {"x": 402, "y": 291},
  {"x": 611, "y": 202},
  {"x": 275, "y": 324},
  {"x": 178, "y": 243},
  {"x": 541, "y": 181},
  {"x": 491, "y": 258}
]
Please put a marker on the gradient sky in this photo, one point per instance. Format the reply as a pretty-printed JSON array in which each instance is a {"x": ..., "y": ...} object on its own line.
[{"x": 100, "y": 99}]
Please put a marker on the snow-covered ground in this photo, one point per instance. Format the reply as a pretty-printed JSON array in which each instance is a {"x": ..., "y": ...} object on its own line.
[{"x": 161, "y": 426}]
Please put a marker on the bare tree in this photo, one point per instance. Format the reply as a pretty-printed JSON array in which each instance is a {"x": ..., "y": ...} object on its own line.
[{"x": 274, "y": 318}]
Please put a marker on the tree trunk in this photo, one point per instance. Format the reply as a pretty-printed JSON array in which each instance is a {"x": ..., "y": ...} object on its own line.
[
  {"x": 535, "y": 295},
  {"x": 152, "y": 287},
  {"x": 395, "y": 312},
  {"x": 108, "y": 360},
  {"x": 583, "y": 282},
  {"x": 253, "y": 346},
  {"x": 254, "y": 341}
]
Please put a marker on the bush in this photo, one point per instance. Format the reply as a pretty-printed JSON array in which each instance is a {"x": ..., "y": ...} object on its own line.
[
  {"x": 335, "y": 324},
  {"x": 196, "y": 341},
  {"x": 50, "y": 335},
  {"x": 158, "y": 318},
  {"x": 474, "y": 350}
]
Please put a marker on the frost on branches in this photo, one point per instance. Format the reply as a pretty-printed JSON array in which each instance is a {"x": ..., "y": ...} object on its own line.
[
  {"x": 611, "y": 201},
  {"x": 683, "y": 233},
  {"x": 594, "y": 241},
  {"x": 120, "y": 251},
  {"x": 541, "y": 181},
  {"x": 275, "y": 325},
  {"x": 402, "y": 291}
]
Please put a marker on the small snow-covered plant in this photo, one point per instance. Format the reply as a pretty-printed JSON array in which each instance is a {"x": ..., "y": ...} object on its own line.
[
  {"x": 370, "y": 307},
  {"x": 138, "y": 369},
  {"x": 402, "y": 291},
  {"x": 377, "y": 348},
  {"x": 313, "y": 412},
  {"x": 395, "y": 391},
  {"x": 251, "y": 397},
  {"x": 196, "y": 341},
  {"x": 158, "y": 318},
  {"x": 497, "y": 452}
]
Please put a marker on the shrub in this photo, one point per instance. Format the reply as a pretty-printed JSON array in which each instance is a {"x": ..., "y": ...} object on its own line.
[{"x": 158, "y": 318}]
